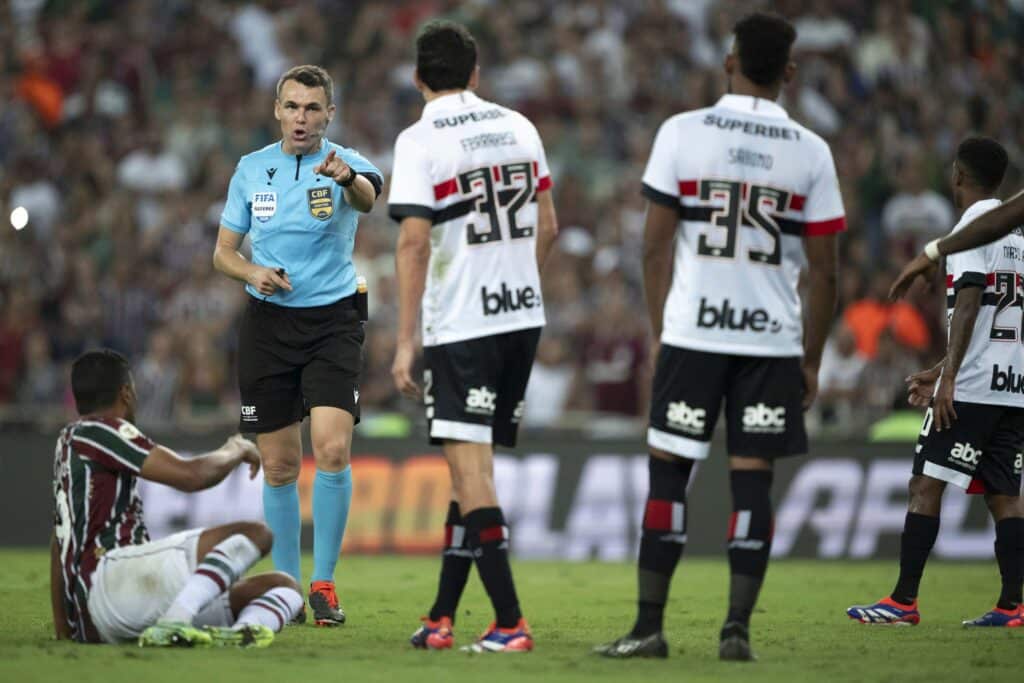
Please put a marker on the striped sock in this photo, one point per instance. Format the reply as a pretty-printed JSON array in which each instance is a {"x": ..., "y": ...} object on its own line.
[
  {"x": 221, "y": 567},
  {"x": 275, "y": 608}
]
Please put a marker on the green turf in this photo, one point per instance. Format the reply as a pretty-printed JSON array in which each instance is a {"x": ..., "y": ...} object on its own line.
[{"x": 800, "y": 631}]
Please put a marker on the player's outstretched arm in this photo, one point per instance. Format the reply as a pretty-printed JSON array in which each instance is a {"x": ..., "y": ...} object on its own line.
[
  {"x": 164, "y": 466},
  {"x": 60, "y": 618},
  {"x": 659, "y": 231},
  {"x": 822, "y": 291},
  {"x": 961, "y": 327},
  {"x": 984, "y": 229},
  {"x": 412, "y": 255},
  {"x": 547, "y": 227}
]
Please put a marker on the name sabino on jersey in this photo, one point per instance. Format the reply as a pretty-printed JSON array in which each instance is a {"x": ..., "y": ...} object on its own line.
[{"x": 749, "y": 184}]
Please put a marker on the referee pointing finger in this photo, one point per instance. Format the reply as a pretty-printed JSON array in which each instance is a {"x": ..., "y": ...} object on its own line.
[{"x": 300, "y": 342}]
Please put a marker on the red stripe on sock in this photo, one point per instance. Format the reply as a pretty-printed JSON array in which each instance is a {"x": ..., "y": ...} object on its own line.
[
  {"x": 213, "y": 576},
  {"x": 732, "y": 526},
  {"x": 491, "y": 534},
  {"x": 658, "y": 515},
  {"x": 447, "y": 535},
  {"x": 276, "y": 612}
]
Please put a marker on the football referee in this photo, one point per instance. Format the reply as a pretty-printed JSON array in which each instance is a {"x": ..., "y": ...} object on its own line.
[{"x": 300, "y": 342}]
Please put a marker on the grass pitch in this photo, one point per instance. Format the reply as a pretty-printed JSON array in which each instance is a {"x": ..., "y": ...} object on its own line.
[{"x": 800, "y": 631}]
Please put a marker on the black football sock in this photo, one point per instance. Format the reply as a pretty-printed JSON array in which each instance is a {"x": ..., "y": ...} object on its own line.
[
  {"x": 456, "y": 561},
  {"x": 1010, "y": 556},
  {"x": 662, "y": 542},
  {"x": 919, "y": 533},
  {"x": 750, "y": 540},
  {"x": 488, "y": 538}
]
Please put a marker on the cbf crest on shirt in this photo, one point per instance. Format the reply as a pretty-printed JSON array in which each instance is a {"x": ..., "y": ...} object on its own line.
[{"x": 298, "y": 220}]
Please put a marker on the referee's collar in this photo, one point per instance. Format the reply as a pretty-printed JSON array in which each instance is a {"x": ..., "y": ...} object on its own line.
[
  {"x": 325, "y": 144},
  {"x": 752, "y": 105},
  {"x": 463, "y": 98}
]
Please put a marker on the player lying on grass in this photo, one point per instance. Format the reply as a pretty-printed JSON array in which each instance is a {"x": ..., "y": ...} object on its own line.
[
  {"x": 973, "y": 431},
  {"x": 108, "y": 582}
]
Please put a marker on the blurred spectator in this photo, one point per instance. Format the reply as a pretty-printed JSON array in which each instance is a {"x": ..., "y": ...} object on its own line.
[
  {"x": 157, "y": 376},
  {"x": 551, "y": 383},
  {"x": 121, "y": 123},
  {"x": 840, "y": 386},
  {"x": 42, "y": 380}
]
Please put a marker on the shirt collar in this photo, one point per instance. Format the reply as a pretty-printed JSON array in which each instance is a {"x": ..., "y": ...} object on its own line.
[
  {"x": 322, "y": 151},
  {"x": 463, "y": 98},
  {"x": 752, "y": 105}
]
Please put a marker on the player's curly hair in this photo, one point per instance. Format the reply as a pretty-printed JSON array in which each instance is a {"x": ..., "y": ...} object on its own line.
[
  {"x": 984, "y": 160},
  {"x": 763, "y": 42},
  {"x": 445, "y": 55},
  {"x": 311, "y": 76},
  {"x": 96, "y": 378}
]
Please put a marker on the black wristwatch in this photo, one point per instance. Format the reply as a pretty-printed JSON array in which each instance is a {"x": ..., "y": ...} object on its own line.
[{"x": 351, "y": 178}]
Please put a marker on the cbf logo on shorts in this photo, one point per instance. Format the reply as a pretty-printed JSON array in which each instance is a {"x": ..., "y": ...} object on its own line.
[
  {"x": 762, "y": 419},
  {"x": 964, "y": 454},
  {"x": 321, "y": 204},
  {"x": 480, "y": 401},
  {"x": 686, "y": 419},
  {"x": 264, "y": 205},
  {"x": 249, "y": 414}
]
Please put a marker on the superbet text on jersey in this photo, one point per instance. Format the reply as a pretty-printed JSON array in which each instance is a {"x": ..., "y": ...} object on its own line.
[
  {"x": 992, "y": 371},
  {"x": 473, "y": 168},
  {"x": 749, "y": 185}
]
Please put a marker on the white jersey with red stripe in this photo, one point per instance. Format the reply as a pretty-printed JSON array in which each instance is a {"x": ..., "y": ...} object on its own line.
[
  {"x": 749, "y": 184},
  {"x": 474, "y": 169},
  {"x": 992, "y": 370}
]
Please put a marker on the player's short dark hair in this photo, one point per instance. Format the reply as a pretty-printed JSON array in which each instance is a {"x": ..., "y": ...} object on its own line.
[
  {"x": 984, "y": 160},
  {"x": 311, "y": 76},
  {"x": 96, "y": 378},
  {"x": 445, "y": 55},
  {"x": 763, "y": 42}
]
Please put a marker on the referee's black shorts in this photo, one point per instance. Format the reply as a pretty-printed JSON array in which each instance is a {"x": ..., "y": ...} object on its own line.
[{"x": 293, "y": 359}]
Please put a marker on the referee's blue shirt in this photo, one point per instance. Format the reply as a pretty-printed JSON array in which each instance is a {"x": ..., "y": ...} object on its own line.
[{"x": 297, "y": 220}]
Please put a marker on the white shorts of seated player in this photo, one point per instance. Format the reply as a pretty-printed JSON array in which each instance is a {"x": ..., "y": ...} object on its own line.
[{"x": 134, "y": 585}]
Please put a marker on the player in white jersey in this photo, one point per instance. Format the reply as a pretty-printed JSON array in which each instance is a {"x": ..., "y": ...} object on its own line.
[
  {"x": 750, "y": 197},
  {"x": 471, "y": 189},
  {"x": 973, "y": 432}
]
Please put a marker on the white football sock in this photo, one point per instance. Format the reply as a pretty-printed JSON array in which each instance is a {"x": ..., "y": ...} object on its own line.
[
  {"x": 221, "y": 567},
  {"x": 275, "y": 608}
]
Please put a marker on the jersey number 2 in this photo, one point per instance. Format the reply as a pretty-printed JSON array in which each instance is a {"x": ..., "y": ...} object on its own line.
[{"x": 514, "y": 191}]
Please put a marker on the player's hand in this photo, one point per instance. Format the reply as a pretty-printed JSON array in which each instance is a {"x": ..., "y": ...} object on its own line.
[
  {"x": 334, "y": 167},
  {"x": 943, "y": 413},
  {"x": 266, "y": 280},
  {"x": 247, "y": 453},
  {"x": 921, "y": 266},
  {"x": 810, "y": 373},
  {"x": 921, "y": 386},
  {"x": 401, "y": 371}
]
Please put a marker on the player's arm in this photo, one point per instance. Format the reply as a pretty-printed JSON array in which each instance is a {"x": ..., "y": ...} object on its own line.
[
  {"x": 822, "y": 292},
  {"x": 412, "y": 255},
  {"x": 961, "y": 327},
  {"x": 659, "y": 231},
  {"x": 984, "y": 229},
  {"x": 164, "y": 466},
  {"x": 547, "y": 227},
  {"x": 60, "y": 617},
  {"x": 228, "y": 260}
]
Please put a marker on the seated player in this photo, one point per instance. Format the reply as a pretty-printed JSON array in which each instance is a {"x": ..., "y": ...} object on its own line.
[
  {"x": 108, "y": 582},
  {"x": 973, "y": 431}
]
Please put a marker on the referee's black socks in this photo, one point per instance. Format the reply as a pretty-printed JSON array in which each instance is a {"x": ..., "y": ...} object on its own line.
[
  {"x": 456, "y": 561},
  {"x": 1010, "y": 556},
  {"x": 919, "y": 534},
  {"x": 750, "y": 540},
  {"x": 488, "y": 539},
  {"x": 662, "y": 541}
]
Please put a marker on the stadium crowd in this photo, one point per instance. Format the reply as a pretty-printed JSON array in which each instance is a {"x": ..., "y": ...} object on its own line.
[{"x": 121, "y": 123}]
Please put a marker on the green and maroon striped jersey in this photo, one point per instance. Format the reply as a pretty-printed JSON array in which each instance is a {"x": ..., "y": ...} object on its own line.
[{"x": 96, "y": 504}]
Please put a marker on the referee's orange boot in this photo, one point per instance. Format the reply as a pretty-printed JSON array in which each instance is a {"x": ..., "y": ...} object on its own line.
[{"x": 324, "y": 603}]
